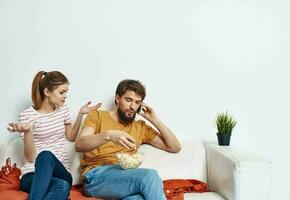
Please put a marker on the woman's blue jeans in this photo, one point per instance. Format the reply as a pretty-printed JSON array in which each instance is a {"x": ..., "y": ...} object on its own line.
[
  {"x": 50, "y": 181},
  {"x": 113, "y": 182}
]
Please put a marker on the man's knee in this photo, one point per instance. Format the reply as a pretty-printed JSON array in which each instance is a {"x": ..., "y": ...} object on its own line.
[
  {"x": 134, "y": 197},
  {"x": 151, "y": 175}
]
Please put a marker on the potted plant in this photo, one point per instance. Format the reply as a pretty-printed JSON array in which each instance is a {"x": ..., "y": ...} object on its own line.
[{"x": 224, "y": 124}]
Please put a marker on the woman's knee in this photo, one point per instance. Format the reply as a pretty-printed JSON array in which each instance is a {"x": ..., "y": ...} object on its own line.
[{"x": 47, "y": 155}]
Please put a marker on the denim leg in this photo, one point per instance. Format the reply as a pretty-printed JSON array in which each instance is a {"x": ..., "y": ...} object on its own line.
[
  {"x": 58, "y": 190},
  {"x": 46, "y": 167},
  {"x": 134, "y": 197},
  {"x": 112, "y": 182},
  {"x": 26, "y": 182}
]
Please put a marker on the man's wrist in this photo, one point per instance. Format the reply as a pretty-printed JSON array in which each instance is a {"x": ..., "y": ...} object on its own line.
[{"x": 156, "y": 121}]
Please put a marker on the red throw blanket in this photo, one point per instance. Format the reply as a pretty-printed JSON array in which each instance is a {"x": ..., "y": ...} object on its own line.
[
  {"x": 10, "y": 185},
  {"x": 174, "y": 189},
  {"x": 9, "y": 176}
]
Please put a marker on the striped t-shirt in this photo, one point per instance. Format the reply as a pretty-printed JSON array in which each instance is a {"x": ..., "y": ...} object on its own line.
[{"x": 48, "y": 133}]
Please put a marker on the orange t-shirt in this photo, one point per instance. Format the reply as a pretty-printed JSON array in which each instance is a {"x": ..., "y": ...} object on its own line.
[{"x": 105, "y": 154}]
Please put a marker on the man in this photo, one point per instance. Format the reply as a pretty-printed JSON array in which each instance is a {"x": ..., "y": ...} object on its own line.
[{"x": 104, "y": 134}]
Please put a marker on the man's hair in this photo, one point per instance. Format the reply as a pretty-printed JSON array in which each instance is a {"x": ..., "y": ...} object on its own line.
[{"x": 133, "y": 85}]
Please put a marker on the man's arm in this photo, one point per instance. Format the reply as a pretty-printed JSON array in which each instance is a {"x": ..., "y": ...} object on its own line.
[
  {"x": 87, "y": 140},
  {"x": 166, "y": 139}
]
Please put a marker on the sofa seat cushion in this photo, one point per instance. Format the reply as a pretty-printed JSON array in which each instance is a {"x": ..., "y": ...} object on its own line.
[{"x": 203, "y": 196}]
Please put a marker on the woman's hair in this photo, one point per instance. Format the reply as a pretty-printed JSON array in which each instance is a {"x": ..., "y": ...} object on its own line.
[
  {"x": 50, "y": 80},
  {"x": 133, "y": 85}
]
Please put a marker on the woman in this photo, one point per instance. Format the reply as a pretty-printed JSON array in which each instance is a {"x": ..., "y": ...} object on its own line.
[{"x": 45, "y": 126}]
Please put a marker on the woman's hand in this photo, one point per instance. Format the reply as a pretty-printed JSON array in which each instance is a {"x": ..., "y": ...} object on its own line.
[
  {"x": 85, "y": 109},
  {"x": 19, "y": 127}
]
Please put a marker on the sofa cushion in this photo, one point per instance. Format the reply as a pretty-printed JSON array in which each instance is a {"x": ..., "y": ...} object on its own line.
[
  {"x": 203, "y": 196},
  {"x": 189, "y": 163},
  {"x": 75, "y": 160}
]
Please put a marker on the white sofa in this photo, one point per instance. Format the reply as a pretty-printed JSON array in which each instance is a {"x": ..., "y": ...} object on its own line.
[{"x": 231, "y": 173}]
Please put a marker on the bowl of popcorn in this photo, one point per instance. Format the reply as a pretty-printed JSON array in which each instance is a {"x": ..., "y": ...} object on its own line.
[{"x": 129, "y": 161}]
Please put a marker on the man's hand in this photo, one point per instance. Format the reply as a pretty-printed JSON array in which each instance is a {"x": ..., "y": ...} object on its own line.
[
  {"x": 19, "y": 127},
  {"x": 85, "y": 109},
  {"x": 147, "y": 112},
  {"x": 121, "y": 138}
]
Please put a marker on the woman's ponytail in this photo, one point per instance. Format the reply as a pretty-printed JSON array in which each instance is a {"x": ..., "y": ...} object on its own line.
[{"x": 36, "y": 95}]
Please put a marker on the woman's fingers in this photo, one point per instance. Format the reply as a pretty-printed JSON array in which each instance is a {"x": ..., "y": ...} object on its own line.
[
  {"x": 10, "y": 129},
  {"x": 97, "y": 106}
]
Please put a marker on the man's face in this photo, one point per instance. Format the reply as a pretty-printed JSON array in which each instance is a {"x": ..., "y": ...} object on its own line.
[{"x": 128, "y": 105}]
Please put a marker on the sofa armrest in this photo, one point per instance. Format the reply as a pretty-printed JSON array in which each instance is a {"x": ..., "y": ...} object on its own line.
[
  {"x": 237, "y": 174},
  {"x": 3, "y": 149}
]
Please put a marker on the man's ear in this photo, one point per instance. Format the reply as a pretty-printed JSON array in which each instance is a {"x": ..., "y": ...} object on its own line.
[{"x": 117, "y": 99}]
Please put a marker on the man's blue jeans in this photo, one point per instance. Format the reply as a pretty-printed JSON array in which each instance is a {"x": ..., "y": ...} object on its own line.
[
  {"x": 50, "y": 181},
  {"x": 113, "y": 182}
]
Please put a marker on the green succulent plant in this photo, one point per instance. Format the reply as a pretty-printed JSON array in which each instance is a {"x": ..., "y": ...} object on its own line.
[{"x": 225, "y": 123}]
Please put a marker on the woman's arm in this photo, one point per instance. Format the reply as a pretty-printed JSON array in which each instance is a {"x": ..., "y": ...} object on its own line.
[
  {"x": 71, "y": 131},
  {"x": 29, "y": 146}
]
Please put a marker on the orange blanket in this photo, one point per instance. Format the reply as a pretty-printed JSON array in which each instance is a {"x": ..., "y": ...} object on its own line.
[
  {"x": 10, "y": 186},
  {"x": 174, "y": 189}
]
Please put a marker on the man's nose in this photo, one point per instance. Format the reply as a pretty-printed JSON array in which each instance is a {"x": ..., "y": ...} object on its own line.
[{"x": 133, "y": 106}]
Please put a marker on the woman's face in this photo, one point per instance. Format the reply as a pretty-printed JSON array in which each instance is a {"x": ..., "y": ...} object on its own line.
[{"x": 58, "y": 95}]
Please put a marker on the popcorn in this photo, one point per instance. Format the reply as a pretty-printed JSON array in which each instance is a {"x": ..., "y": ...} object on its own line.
[{"x": 129, "y": 161}]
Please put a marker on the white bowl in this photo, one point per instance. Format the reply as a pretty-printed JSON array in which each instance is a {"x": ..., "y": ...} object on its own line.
[{"x": 129, "y": 161}]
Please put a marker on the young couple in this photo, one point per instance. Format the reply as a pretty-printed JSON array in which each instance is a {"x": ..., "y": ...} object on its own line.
[{"x": 47, "y": 124}]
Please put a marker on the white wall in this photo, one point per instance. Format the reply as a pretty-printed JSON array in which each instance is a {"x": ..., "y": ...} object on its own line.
[{"x": 196, "y": 58}]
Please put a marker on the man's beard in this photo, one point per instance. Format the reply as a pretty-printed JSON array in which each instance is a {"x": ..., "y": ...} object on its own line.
[{"x": 124, "y": 119}]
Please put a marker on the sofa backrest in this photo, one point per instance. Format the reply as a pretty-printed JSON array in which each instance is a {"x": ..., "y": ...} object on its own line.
[
  {"x": 14, "y": 151},
  {"x": 190, "y": 162}
]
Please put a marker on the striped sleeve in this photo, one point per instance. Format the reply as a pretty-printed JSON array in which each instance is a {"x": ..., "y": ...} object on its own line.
[
  {"x": 67, "y": 115},
  {"x": 23, "y": 119}
]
